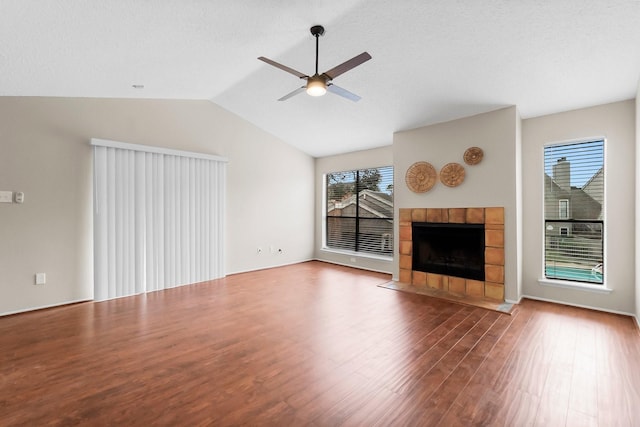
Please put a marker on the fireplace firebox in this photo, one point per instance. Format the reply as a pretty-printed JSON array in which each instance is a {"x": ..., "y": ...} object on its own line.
[{"x": 449, "y": 249}]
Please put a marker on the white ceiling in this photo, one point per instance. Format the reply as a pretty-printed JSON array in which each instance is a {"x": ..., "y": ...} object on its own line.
[{"x": 432, "y": 60}]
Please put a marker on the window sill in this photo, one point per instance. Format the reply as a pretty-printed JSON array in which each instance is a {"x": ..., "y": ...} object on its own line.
[
  {"x": 602, "y": 289},
  {"x": 358, "y": 254}
]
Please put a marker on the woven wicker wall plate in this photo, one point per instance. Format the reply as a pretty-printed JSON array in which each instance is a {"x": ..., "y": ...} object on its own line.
[
  {"x": 421, "y": 177},
  {"x": 452, "y": 174},
  {"x": 473, "y": 155}
]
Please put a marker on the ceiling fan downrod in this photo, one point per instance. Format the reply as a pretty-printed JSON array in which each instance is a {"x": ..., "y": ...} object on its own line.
[
  {"x": 317, "y": 84},
  {"x": 317, "y": 31}
]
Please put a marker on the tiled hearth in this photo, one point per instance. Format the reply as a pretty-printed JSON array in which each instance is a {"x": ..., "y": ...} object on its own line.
[{"x": 493, "y": 220}]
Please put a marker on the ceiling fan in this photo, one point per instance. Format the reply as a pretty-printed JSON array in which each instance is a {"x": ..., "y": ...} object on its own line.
[{"x": 319, "y": 84}]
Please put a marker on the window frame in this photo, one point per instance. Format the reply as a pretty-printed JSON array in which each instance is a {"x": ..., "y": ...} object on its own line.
[
  {"x": 567, "y": 213},
  {"x": 569, "y": 283},
  {"x": 388, "y": 240}
]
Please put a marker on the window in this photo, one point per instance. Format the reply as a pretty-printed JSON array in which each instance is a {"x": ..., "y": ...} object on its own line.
[
  {"x": 563, "y": 209},
  {"x": 574, "y": 211},
  {"x": 359, "y": 210}
]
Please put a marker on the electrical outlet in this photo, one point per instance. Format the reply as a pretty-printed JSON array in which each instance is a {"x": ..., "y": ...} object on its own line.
[
  {"x": 41, "y": 278},
  {"x": 6, "y": 196},
  {"x": 259, "y": 250}
]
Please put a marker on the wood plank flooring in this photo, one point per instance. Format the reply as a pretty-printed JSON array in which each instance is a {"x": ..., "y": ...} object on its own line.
[{"x": 314, "y": 344}]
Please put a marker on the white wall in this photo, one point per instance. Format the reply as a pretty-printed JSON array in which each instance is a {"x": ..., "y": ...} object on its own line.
[
  {"x": 360, "y": 159},
  {"x": 493, "y": 182},
  {"x": 45, "y": 152},
  {"x": 615, "y": 122}
]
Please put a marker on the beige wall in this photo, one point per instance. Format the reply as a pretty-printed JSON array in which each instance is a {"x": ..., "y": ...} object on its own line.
[
  {"x": 615, "y": 122},
  {"x": 519, "y": 203},
  {"x": 493, "y": 182},
  {"x": 360, "y": 159},
  {"x": 637, "y": 206},
  {"x": 510, "y": 176},
  {"x": 45, "y": 152}
]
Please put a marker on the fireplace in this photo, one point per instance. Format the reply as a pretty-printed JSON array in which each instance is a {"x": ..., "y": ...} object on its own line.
[
  {"x": 488, "y": 222},
  {"x": 449, "y": 249}
]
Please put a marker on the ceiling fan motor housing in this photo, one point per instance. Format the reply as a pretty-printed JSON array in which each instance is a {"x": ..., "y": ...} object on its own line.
[{"x": 317, "y": 30}]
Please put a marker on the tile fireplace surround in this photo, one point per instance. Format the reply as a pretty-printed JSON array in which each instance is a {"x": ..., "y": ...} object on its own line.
[{"x": 493, "y": 220}]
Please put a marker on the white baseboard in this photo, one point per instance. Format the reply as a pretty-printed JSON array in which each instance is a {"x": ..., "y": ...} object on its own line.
[
  {"x": 359, "y": 267},
  {"x": 624, "y": 313},
  {"x": 59, "y": 304},
  {"x": 267, "y": 267}
]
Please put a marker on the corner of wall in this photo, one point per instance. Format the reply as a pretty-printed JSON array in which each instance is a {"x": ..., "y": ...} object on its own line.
[
  {"x": 618, "y": 122},
  {"x": 637, "y": 194},
  {"x": 382, "y": 156},
  {"x": 519, "y": 207}
]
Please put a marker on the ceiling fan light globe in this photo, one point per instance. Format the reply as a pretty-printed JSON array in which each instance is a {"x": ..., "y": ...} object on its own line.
[{"x": 316, "y": 88}]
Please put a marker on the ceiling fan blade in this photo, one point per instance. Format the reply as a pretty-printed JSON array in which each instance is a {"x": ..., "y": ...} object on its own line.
[
  {"x": 343, "y": 92},
  {"x": 283, "y": 67},
  {"x": 347, "y": 65},
  {"x": 292, "y": 94}
]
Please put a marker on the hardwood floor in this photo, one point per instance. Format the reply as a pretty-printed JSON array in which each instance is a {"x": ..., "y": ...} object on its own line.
[{"x": 318, "y": 345}]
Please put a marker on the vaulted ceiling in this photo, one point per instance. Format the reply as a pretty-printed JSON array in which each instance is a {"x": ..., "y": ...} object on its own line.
[{"x": 433, "y": 60}]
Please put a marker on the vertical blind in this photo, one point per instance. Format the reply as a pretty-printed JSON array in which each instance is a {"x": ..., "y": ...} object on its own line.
[
  {"x": 574, "y": 211},
  {"x": 158, "y": 218},
  {"x": 359, "y": 211}
]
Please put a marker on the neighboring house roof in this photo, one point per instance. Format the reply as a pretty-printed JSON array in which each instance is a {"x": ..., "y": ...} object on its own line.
[
  {"x": 594, "y": 178},
  {"x": 593, "y": 187},
  {"x": 376, "y": 203},
  {"x": 583, "y": 205},
  {"x": 554, "y": 187}
]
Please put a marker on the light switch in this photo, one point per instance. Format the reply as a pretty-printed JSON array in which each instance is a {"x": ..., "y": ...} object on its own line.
[
  {"x": 41, "y": 278},
  {"x": 6, "y": 196}
]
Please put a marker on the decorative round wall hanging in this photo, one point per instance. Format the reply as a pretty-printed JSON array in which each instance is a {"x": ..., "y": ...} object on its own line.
[
  {"x": 473, "y": 155},
  {"x": 452, "y": 174},
  {"x": 421, "y": 177}
]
